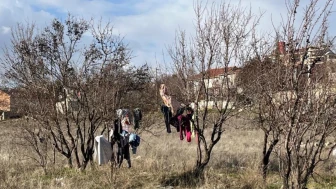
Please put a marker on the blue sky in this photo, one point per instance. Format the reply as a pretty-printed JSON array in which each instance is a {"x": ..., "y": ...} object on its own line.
[{"x": 148, "y": 25}]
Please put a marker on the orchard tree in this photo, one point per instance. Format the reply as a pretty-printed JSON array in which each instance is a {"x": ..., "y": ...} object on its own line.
[
  {"x": 222, "y": 32},
  {"x": 308, "y": 107},
  {"x": 259, "y": 81},
  {"x": 71, "y": 76},
  {"x": 293, "y": 93}
]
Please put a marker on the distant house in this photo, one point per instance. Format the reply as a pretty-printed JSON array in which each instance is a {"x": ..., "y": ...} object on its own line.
[
  {"x": 310, "y": 55},
  {"x": 309, "y": 59},
  {"x": 4, "y": 104},
  {"x": 214, "y": 81}
]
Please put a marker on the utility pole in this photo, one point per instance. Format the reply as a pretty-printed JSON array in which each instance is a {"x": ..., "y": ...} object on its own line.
[{"x": 156, "y": 86}]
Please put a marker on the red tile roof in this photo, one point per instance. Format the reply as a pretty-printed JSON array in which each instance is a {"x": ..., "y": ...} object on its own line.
[
  {"x": 216, "y": 72},
  {"x": 220, "y": 71}
]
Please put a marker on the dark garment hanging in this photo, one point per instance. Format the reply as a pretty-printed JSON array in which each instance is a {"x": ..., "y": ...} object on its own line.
[
  {"x": 123, "y": 153},
  {"x": 171, "y": 120},
  {"x": 190, "y": 113},
  {"x": 137, "y": 117},
  {"x": 185, "y": 130},
  {"x": 167, "y": 116},
  {"x": 122, "y": 142},
  {"x": 175, "y": 121},
  {"x": 123, "y": 150},
  {"x": 117, "y": 130}
]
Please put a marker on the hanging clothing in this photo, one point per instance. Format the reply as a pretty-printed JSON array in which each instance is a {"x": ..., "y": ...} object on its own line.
[
  {"x": 121, "y": 137},
  {"x": 192, "y": 127},
  {"x": 137, "y": 117},
  {"x": 123, "y": 149},
  {"x": 120, "y": 113},
  {"x": 117, "y": 130},
  {"x": 134, "y": 141},
  {"x": 125, "y": 123},
  {"x": 171, "y": 109},
  {"x": 102, "y": 150},
  {"x": 169, "y": 119},
  {"x": 170, "y": 102},
  {"x": 185, "y": 130},
  {"x": 167, "y": 116},
  {"x": 191, "y": 117},
  {"x": 188, "y": 130}
]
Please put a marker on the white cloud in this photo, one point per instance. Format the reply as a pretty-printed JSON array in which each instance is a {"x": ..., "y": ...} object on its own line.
[{"x": 5, "y": 29}]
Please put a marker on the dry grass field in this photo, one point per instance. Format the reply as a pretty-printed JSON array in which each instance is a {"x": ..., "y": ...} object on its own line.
[{"x": 162, "y": 161}]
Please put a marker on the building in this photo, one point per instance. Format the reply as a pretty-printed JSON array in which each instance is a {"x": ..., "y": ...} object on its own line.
[
  {"x": 310, "y": 55},
  {"x": 4, "y": 104},
  {"x": 215, "y": 84}
]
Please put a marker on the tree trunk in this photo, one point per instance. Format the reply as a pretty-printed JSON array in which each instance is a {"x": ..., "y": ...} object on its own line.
[
  {"x": 201, "y": 161},
  {"x": 265, "y": 159},
  {"x": 267, "y": 154},
  {"x": 70, "y": 161},
  {"x": 77, "y": 158},
  {"x": 285, "y": 183},
  {"x": 84, "y": 164}
]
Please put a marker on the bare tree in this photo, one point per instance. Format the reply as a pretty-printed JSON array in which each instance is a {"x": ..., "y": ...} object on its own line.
[
  {"x": 32, "y": 139},
  {"x": 296, "y": 102},
  {"x": 72, "y": 90},
  {"x": 308, "y": 109},
  {"x": 307, "y": 105},
  {"x": 258, "y": 82},
  {"x": 220, "y": 40}
]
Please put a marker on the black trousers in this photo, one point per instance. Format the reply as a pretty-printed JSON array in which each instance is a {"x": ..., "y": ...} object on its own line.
[
  {"x": 123, "y": 152},
  {"x": 169, "y": 119}
]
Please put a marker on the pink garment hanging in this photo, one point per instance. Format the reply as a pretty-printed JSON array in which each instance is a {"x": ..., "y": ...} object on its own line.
[
  {"x": 185, "y": 130},
  {"x": 188, "y": 130}
]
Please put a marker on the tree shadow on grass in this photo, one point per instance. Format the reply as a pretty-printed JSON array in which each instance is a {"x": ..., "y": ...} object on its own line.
[{"x": 186, "y": 179}]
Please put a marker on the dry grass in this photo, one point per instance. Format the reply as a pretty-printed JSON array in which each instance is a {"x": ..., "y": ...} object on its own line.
[{"x": 162, "y": 161}]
